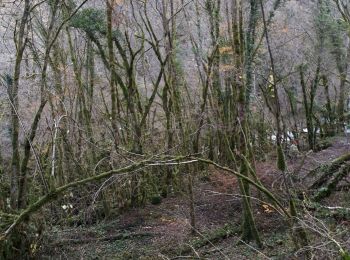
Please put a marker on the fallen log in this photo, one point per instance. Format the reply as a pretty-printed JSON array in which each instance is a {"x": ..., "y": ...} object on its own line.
[
  {"x": 327, "y": 171},
  {"x": 326, "y": 191},
  {"x": 226, "y": 231}
]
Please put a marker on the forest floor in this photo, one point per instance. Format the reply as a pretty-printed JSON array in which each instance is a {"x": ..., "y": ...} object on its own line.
[{"x": 163, "y": 231}]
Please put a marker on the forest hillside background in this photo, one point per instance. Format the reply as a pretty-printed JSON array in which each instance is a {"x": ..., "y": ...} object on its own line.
[{"x": 174, "y": 129}]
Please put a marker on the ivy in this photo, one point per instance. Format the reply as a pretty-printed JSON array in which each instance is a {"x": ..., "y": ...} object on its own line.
[{"x": 90, "y": 20}]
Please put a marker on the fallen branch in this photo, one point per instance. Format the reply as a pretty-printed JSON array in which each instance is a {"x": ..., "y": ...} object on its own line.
[
  {"x": 257, "y": 185},
  {"x": 54, "y": 194},
  {"x": 228, "y": 230}
]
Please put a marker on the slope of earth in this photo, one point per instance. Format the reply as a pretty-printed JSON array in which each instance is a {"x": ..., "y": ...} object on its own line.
[{"x": 163, "y": 231}]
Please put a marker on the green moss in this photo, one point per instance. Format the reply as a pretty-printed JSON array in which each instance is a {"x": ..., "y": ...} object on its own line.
[
  {"x": 156, "y": 199},
  {"x": 345, "y": 255},
  {"x": 89, "y": 20},
  {"x": 281, "y": 161}
]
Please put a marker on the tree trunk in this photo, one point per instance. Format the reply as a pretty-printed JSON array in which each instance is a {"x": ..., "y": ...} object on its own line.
[{"x": 21, "y": 42}]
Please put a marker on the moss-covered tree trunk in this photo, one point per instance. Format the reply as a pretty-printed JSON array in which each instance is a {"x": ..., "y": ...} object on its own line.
[
  {"x": 111, "y": 63},
  {"x": 21, "y": 42},
  {"x": 298, "y": 233}
]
